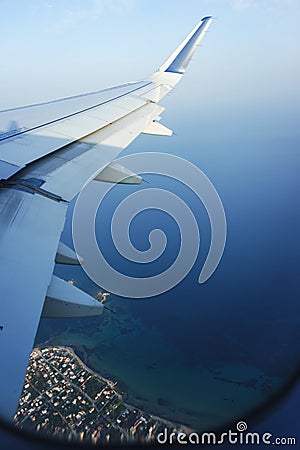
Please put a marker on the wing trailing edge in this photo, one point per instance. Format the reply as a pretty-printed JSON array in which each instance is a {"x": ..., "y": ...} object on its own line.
[
  {"x": 65, "y": 255},
  {"x": 65, "y": 300}
]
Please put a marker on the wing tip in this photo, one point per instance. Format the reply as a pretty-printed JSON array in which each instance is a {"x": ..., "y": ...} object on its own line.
[{"x": 179, "y": 60}]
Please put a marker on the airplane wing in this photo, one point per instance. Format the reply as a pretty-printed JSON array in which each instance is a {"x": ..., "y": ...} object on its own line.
[{"x": 47, "y": 153}]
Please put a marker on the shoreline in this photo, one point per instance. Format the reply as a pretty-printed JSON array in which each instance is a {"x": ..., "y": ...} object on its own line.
[
  {"x": 137, "y": 402},
  {"x": 123, "y": 395}
]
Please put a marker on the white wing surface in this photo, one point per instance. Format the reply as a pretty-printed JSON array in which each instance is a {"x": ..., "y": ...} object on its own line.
[{"x": 47, "y": 153}]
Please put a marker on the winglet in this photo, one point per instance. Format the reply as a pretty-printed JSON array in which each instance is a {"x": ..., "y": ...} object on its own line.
[
  {"x": 171, "y": 72},
  {"x": 179, "y": 60}
]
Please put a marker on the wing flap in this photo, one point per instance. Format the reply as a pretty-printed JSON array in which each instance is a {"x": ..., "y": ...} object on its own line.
[
  {"x": 66, "y": 172},
  {"x": 7, "y": 170},
  {"x": 66, "y": 300},
  {"x": 30, "y": 228}
]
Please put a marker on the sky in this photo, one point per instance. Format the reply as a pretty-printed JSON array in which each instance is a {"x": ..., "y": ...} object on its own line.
[{"x": 246, "y": 70}]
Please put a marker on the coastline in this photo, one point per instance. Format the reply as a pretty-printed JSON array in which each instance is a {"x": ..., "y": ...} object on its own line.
[
  {"x": 155, "y": 378},
  {"x": 114, "y": 383}
]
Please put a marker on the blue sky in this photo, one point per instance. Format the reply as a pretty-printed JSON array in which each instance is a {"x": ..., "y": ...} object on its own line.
[{"x": 247, "y": 70}]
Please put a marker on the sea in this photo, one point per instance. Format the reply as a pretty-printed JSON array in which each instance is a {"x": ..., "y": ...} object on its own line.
[{"x": 209, "y": 354}]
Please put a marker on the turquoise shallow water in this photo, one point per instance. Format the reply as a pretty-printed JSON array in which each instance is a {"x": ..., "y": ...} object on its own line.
[{"x": 157, "y": 377}]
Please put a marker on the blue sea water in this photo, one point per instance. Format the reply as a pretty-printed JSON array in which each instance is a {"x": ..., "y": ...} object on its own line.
[{"x": 204, "y": 354}]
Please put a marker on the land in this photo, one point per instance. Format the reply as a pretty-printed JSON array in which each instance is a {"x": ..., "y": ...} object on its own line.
[{"x": 64, "y": 398}]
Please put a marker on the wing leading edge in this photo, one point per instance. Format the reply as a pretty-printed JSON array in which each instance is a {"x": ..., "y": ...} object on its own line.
[{"x": 47, "y": 153}]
